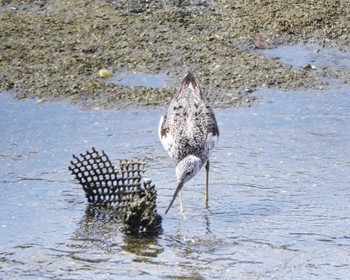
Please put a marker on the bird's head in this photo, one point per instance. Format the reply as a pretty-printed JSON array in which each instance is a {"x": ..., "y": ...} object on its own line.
[{"x": 186, "y": 169}]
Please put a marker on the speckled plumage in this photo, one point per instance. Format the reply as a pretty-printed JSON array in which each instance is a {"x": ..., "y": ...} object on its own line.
[{"x": 188, "y": 130}]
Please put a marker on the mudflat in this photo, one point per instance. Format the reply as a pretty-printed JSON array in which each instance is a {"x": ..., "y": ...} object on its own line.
[{"x": 53, "y": 50}]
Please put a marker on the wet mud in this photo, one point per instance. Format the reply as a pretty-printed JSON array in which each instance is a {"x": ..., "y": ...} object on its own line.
[{"x": 53, "y": 50}]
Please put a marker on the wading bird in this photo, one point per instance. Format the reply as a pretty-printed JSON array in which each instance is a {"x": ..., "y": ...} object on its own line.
[{"x": 188, "y": 131}]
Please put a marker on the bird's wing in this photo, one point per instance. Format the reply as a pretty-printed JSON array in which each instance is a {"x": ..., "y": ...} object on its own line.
[
  {"x": 165, "y": 137},
  {"x": 161, "y": 121},
  {"x": 211, "y": 142},
  {"x": 212, "y": 130},
  {"x": 211, "y": 123}
]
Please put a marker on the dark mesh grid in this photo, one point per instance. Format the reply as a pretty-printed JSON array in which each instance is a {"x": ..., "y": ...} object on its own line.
[{"x": 105, "y": 186}]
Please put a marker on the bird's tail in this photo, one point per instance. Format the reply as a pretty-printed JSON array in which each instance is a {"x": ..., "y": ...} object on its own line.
[{"x": 190, "y": 82}]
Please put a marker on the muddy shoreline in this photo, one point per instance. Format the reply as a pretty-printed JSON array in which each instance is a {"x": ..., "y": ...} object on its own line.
[{"x": 53, "y": 50}]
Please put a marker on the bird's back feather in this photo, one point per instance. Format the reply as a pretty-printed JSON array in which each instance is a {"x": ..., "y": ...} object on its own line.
[{"x": 189, "y": 125}]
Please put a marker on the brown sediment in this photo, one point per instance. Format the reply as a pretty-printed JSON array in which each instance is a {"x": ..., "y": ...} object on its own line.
[{"x": 53, "y": 50}]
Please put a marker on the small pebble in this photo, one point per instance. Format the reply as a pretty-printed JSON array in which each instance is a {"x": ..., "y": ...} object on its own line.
[{"x": 104, "y": 73}]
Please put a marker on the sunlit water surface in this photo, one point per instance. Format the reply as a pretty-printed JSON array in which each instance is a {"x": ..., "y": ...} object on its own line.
[{"x": 279, "y": 193}]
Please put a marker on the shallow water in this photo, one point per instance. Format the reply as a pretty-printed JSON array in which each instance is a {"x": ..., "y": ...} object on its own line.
[
  {"x": 279, "y": 195},
  {"x": 301, "y": 55}
]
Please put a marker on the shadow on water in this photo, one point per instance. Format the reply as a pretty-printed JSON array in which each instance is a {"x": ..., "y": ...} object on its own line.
[
  {"x": 97, "y": 230},
  {"x": 279, "y": 193}
]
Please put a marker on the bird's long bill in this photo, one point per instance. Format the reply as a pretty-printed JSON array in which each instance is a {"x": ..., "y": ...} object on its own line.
[{"x": 178, "y": 189}]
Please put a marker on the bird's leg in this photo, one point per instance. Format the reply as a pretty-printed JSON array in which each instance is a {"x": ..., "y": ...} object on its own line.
[
  {"x": 181, "y": 206},
  {"x": 206, "y": 198}
]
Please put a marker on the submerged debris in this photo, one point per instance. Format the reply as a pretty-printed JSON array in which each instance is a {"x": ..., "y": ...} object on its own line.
[{"x": 124, "y": 194}]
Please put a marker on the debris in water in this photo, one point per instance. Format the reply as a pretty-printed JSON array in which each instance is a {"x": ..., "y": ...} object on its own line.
[
  {"x": 309, "y": 67},
  {"x": 123, "y": 194}
]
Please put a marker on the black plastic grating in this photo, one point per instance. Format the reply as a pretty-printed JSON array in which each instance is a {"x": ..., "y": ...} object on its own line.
[{"x": 104, "y": 186}]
